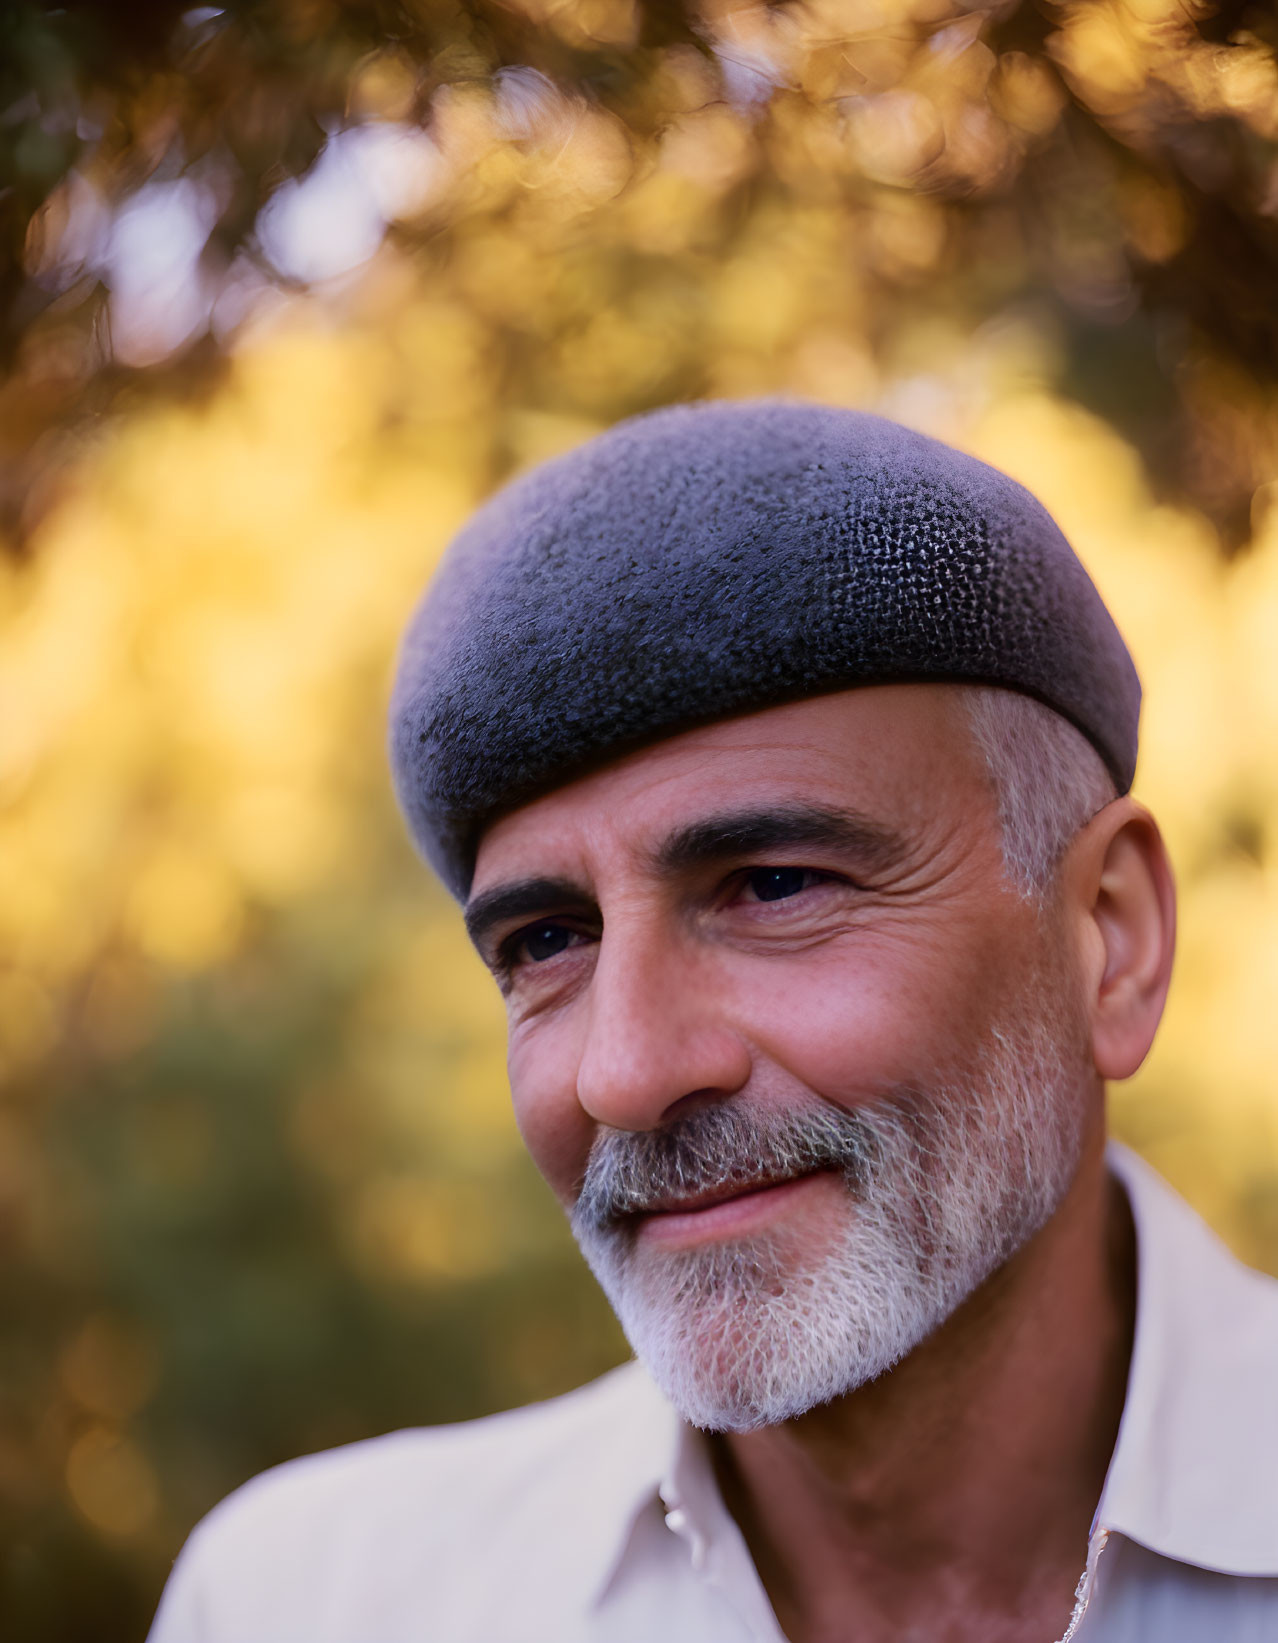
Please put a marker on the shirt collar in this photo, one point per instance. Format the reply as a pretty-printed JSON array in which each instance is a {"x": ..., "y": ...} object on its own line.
[
  {"x": 678, "y": 1481},
  {"x": 653, "y": 1445},
  {"x": 1192, "y": 1472}
]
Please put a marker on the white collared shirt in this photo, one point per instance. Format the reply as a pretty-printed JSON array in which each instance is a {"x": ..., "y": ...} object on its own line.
[{"x": 596, "y": 1518}]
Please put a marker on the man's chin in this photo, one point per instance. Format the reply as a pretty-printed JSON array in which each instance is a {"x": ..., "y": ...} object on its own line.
[
  {"x": 738, "y": 1383},
  {"x": 744, "y": 1336}
]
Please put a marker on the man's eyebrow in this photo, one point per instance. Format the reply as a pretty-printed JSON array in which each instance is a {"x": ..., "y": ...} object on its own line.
[
  {"x": 779, "y": 828},
  {"x": 701, "y": 843},
  {"x": 520, "y": 899}
]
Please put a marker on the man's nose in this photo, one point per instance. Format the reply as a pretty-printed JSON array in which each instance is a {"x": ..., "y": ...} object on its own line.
[{"x": 658, "y": 1032}]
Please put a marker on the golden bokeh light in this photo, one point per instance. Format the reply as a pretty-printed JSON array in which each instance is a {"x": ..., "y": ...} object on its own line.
[{"x": 112, "y": 1483}]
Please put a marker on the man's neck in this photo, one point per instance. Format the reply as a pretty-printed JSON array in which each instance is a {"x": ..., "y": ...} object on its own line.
[{"x": 951, "y": 1499}]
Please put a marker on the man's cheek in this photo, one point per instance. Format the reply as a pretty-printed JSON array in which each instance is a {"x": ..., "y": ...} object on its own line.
[
  {"x": 853, "y": 1029},
  {"x": 555, "y": 1130}
]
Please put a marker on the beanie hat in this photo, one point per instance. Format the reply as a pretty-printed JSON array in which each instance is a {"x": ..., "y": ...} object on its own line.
[{"x": 713, "y": 559}]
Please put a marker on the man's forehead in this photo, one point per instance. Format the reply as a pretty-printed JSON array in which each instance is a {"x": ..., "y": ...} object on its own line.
[{"x": 883, "y": 758}]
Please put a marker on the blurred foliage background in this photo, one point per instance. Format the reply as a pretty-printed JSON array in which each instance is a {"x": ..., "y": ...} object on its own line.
[{"x": 287, "y": 287}]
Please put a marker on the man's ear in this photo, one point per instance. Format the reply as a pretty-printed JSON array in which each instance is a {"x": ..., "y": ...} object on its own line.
[{"x": 1121, "y": 897}]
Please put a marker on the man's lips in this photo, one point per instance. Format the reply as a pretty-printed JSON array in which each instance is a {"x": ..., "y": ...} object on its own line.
[
  {"x": 733, "y": 1209},
  {"x": 726, "y": 1193}
]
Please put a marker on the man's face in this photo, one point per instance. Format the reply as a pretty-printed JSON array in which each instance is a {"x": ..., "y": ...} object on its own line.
[{"x": 800, "y": 1062}]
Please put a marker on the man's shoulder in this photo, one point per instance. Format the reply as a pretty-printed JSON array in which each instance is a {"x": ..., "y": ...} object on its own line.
[
  {"x": 418, "y": 1524},
  {"x": 469, "y": 1462}
]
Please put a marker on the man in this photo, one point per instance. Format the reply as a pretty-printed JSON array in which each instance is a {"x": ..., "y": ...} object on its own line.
[{"x": 780, "y": 759}]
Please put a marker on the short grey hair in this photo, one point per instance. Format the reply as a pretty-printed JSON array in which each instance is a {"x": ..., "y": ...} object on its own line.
[{"x": 1048, "y": 779}]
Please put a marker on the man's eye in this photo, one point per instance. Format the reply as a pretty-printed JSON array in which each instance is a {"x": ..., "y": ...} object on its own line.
[
  {"x": 542, "y": 941},
  {"x": 777, "y": 883}
]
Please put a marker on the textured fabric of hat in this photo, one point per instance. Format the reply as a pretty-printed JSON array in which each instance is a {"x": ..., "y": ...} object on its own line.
[{"x": 716, "y": 558}]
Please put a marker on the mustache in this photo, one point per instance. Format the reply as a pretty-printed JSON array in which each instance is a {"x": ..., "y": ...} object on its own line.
[{"x": 723, "y": 1148}]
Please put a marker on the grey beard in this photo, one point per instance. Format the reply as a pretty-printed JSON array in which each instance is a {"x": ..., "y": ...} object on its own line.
[{"x": 942, "y": 1187}]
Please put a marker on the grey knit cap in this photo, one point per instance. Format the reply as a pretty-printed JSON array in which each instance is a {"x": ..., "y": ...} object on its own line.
[{"x": 712, "y": 559}]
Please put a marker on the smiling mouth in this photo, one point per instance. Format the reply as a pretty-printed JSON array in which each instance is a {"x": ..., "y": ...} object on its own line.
[
  {"x": 735, "y": 1209},
  {"x": 728, "y": 1193}
]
